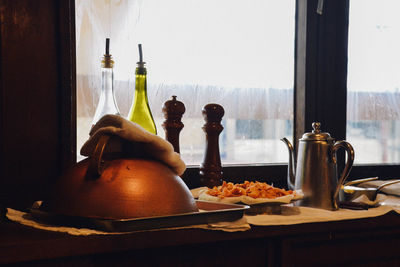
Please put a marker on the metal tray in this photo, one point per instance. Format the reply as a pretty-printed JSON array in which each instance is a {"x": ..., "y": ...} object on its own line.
[
  {"x": 210, "y": 212},
  {"x": 266, "y": 207}
]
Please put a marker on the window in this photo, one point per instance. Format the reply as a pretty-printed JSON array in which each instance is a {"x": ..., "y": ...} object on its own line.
[
  {"x": 236, "y": 53},
  {"x": 373, "y": 114},
  {"x": 321, "y": 80}
]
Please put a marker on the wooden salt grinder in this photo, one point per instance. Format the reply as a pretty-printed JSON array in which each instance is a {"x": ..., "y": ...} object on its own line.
[
  {"x": 173, "y": 111},
  {"x": 211, "y": 169}
]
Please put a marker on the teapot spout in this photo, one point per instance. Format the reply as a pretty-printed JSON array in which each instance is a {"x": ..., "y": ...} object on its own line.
[{"x": 291, "y": 165}]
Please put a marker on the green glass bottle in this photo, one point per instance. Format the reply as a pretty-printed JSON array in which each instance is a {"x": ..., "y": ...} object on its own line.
[{"x": 140, "y": 112}]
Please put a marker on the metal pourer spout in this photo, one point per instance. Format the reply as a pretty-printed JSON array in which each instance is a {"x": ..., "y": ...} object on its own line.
[
  {"x": 291, "y": 165},
  {"x": 107, "y": 61},
  {"x": 141, "y": 65}
]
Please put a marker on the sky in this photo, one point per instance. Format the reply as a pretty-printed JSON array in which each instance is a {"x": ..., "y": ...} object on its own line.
[{"x": 374, "y": 46}]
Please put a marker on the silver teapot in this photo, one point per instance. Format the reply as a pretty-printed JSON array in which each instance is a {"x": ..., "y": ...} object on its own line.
[{"x": 315, "y": 171}]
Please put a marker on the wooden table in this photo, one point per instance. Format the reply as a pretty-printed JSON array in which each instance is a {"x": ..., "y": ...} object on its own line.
[{"x": 363, "y": 241}]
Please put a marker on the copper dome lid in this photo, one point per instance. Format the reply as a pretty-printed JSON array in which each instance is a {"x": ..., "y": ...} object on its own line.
[{"x": 119, "y": 186}]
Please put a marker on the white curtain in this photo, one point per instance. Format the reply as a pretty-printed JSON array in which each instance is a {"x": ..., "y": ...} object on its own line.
[{"x": 236, "y": 53}]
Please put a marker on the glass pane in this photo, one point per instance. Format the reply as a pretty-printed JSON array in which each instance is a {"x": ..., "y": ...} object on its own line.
[
  {"x": 373, "y": 115},
  {"x": 239, "y": 54}
]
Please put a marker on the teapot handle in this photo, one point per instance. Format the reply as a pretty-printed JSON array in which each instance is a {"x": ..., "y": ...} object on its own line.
[
  {"x": 96, "y": 167},
  {"x": 349, "y": 164}
]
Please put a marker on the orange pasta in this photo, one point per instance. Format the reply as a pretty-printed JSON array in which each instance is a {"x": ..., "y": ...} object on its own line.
[{"x": 251, "y": 189}]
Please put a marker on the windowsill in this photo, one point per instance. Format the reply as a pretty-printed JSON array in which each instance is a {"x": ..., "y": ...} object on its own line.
[{"x": 20, "y": 243}]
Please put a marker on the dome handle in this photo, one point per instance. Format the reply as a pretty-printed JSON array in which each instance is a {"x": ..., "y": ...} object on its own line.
[{"x": 96, "y": 165}]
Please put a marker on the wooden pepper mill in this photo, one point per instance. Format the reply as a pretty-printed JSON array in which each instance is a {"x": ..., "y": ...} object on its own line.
[
  {"x": 211, "y": 169},
  {"x": 173, "y": 111}
]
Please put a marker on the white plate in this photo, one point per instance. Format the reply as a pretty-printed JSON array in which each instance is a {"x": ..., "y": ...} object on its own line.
[{"x": 201, "y": 194}]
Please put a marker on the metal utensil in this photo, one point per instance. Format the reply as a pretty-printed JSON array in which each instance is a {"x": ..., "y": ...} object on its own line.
[
  {"x": 362, "y": 180},
  {"x": 352, "y": 192},
  {"x": 382, "y": 186}
]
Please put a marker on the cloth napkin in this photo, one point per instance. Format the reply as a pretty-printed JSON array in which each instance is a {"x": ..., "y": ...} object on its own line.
[
  {"x": 296, "y": 215},
  {"x": 143, "y": 142},
  {"x": 393, "y": 202},
  {"x": 364, "y": 199}
]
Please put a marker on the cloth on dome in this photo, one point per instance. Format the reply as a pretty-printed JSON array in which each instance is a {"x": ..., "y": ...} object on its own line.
[{"x": 131, "y": 139}]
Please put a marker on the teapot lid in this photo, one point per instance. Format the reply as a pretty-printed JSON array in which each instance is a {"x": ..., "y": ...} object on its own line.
[{"x": 316, "y": 133}]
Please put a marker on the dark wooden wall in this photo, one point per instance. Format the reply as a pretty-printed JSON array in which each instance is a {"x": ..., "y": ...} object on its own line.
[{"x": 36, "y": 90}]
